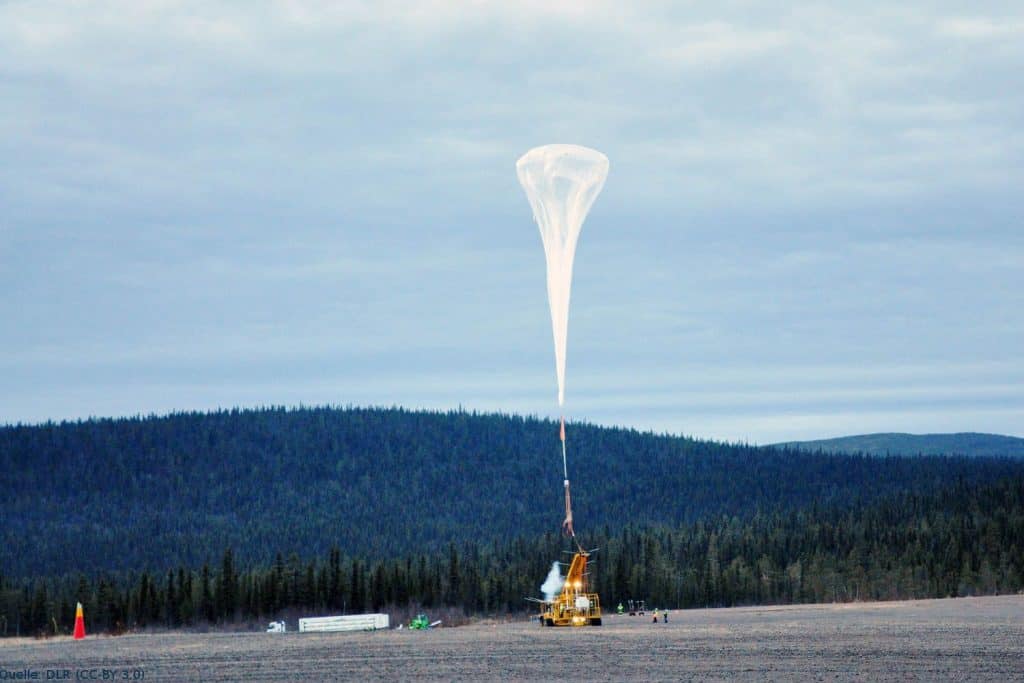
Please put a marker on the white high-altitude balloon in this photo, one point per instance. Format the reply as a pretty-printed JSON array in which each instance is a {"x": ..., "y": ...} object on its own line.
[{"x": 561, "y": 182}]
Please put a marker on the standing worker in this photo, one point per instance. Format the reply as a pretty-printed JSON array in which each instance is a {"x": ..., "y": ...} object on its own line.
[{"x": 664, "y": 617}]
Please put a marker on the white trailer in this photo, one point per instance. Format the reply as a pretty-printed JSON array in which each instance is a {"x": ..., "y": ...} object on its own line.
[{"x": 354, "y": 622}]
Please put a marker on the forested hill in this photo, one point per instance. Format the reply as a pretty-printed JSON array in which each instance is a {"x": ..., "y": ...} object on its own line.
[
  {"x": 964, "y": 443},
  {"x": 157, "y": 492}
]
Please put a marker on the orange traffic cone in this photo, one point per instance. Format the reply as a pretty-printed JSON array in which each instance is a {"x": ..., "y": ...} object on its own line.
[{"x": 79, "y": 623}]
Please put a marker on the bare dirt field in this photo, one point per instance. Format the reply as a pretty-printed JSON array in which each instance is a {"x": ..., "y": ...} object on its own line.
[{"x": 929, "y": 640}]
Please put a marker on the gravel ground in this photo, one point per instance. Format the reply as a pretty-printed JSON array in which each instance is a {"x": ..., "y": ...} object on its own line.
[{"x": 972, "y": 639}]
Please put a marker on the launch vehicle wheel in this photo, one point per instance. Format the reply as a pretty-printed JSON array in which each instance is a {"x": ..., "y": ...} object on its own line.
[
  {"x": 549, "y": 622},
  {"x": 596, "y": 621}
]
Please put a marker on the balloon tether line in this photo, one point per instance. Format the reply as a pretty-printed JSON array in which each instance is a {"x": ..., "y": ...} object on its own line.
[
  {"x": 567, "y": 524},
  {"x": 565, "y": 467}
]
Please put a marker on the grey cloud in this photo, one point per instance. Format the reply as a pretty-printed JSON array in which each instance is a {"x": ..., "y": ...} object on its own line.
[{"x": 251, "y": 193}]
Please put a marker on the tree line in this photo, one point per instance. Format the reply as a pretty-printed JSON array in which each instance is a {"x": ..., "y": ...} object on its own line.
[{"x": 967, "y": 539}]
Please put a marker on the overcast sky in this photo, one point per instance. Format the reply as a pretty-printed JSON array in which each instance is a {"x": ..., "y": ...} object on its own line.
[{"x": 812, "y": 225}]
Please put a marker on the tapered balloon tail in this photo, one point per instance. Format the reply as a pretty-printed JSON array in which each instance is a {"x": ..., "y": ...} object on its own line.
[{"x": 79, "y": 623}]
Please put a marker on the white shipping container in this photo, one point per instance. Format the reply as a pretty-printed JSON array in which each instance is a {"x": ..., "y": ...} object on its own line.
[{"x": 353, "y": 622}]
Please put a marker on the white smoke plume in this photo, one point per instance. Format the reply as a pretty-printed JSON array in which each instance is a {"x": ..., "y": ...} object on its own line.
[{"x": 553, "y": 584}]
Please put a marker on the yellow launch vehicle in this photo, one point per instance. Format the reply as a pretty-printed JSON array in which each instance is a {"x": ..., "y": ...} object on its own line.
[{"x": 574, "y": 606}]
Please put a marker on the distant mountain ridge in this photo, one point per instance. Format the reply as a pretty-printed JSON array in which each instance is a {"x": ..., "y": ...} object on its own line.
[
  {"x": 129, "y": 493},
  {"x": 895, "y": 443}
]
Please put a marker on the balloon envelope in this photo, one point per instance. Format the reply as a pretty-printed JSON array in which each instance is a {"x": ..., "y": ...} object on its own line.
[{"x": 561, "y": 182}]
